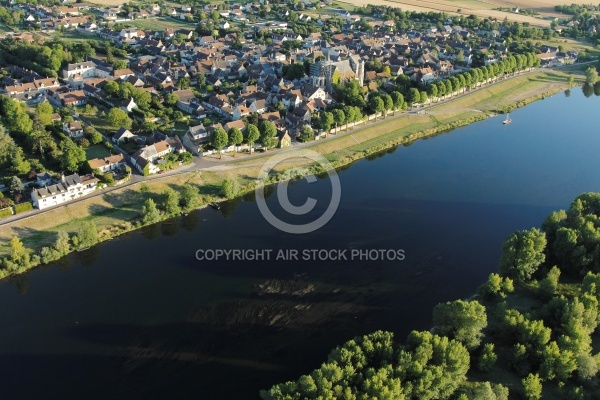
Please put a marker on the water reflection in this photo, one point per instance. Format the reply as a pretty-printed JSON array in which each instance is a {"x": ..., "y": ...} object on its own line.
[
  {"x": 190, "y": 221},
  {"x": 87, "y": 257},
  {"x": 170, "y": 227},
  {"x": 588, "y": 90},
  {"x": 229, "y": 207},
  {"x": 150, "y": 232}
]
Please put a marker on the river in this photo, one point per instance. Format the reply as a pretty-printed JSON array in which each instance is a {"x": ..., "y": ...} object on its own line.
[{"x": 139, "y": 317}]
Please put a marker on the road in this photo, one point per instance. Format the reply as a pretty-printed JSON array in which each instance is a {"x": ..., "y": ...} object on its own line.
[{"x": 203, "y": 163}]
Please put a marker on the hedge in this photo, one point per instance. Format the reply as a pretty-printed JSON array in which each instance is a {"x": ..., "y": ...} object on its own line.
[
  {"x": 19, "y": 208},
  {"x": 6, "y": 212}
]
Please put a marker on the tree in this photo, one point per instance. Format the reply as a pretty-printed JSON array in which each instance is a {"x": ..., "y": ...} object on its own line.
[
  {"x": 87, "y": 234},
  {"x": 19, "y": 254},
  {"x": 118, "y": 118},
  {"x": 16, "y": 186},
  {"x": 170, "y": 202},
  {"x": 72, "y": 157},
  {"x": 62, "y": 243},
  {"x": 587, "y": 368},
  {"x": 388, "y": 103},
  {"x": 496, "y": 286},
  {"x": 351, "y": 93},
  {"x": 268, "y": 133},
  {"x": 95, "y": 137},
  {"x": 570, "y": 80},
  {"x": 487, "y": 358},
  {"x": 111, "y": 88},
  {"x": 218, "y": 139},
  {"x": 351, "y": 115},
  {"x": 119, "y": 64},
  {"x": 296, "y": 71},
  {"x": 423, "y": 98},
  {"x": 376, "y": 104},
  {"x": 339, "y": 117},
  {"x": 229, "y": 188},
  {"x": 183, "y": 83},
  {"x": 150, "y": 213},
  {"x": 41, "y": 141},
  {"x": 43, "y": 113},
  {"x": 532, "y": 387},
  {"x": 171, "y": 99},
  {"x": 235, "y": 137},
  {"x": 252, "y": 135},
  {"x": 591, "y": 76},
  {"x": 326, "y": 119},
  {"x": 141, "y": 97},
  {"x": 522, "y": 254},
  {"x": 189, "y": 197},
  {"x": 414, "y": 96},
  {"x": 306, "y": 133},
  {"x": 398, "y": 100},
  {"x": 461, "y": 320},
  {"x": 549, "y": 284}
]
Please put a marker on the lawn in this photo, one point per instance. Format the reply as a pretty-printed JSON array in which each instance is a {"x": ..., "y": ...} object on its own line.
[
  {"x": 96, "y": 151},
  {"x": 77, "y": 36},
  {"x": 100, "y": 124},
  {"x": 161, "y": 24}
]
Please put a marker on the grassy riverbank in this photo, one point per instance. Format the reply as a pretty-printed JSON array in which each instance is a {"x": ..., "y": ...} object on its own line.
[{"x": 114, "y": 212}]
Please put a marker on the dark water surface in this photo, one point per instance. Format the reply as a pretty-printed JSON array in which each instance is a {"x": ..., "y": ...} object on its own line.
[{"x": 138, "y": 317}]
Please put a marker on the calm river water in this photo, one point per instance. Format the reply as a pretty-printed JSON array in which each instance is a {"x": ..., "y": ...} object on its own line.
[{"x": 139, "y": 317}]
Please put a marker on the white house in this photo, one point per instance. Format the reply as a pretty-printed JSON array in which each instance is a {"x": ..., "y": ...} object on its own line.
[
  {"x": 73, "y": 129},
  {"x": 194, "y": 138},
  {"x": 69, "y": 188},
  {"x": 86, "y": 69}
]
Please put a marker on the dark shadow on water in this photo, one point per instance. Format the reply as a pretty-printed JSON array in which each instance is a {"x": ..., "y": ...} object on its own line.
[
  {"x": 150, "y": 232},
  {"x": 190, "y": 222},
  {"x": 87, "y": 257},
  {"x": 170, "y": 227},
  {"x": 228, "y": 207}
]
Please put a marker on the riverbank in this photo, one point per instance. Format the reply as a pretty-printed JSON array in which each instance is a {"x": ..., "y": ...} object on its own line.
[{"x": 116, "y": 212}]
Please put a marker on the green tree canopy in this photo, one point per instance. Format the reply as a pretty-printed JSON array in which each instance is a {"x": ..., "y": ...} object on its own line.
[
  {"x": 461, "y": 320},
  {"x": 522, "y": 254},
  {"x": 219, "y": 139},
  {"x": 252, "y": 135},
  {"x": 72, "y": 156},
  {"x": 170, "y": 202},
  {"x": 150, "y": 213},
  {"x": 118, "y": 118},
  {"x": 268, "y": 134}
]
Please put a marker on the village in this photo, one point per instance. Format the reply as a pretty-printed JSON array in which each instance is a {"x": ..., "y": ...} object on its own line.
[{"x": 298, "y": 71}]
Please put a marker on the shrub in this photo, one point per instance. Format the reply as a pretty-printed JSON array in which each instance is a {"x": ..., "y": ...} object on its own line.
[
  {"x": 229, "y": 188},
  {"x": 6, "y": 212},
  {"x": 19, "y": 208}
]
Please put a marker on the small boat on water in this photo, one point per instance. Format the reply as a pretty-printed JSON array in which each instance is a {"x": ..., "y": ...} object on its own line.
[
  {"x": 216, "y": 206},
  {"x": 83, "y": 249},
  {"x": 507, "y": 120}
]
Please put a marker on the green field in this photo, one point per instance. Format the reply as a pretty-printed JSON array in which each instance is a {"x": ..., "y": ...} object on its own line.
[
  {"x": 77, "y": 36},
  {"x": 96, "y": 151},
  {"x": 161, "y": 24}
]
